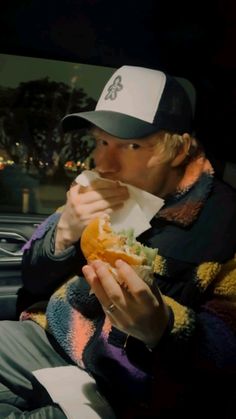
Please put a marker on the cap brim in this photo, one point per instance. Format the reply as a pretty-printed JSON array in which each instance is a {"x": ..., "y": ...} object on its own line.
[{"x": 114, "y": 123}]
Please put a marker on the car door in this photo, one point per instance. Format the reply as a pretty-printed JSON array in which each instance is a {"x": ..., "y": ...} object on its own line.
[{"x": 15, "y": 230}]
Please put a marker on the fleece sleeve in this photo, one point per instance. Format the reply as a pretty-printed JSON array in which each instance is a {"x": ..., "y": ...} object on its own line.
[
  {"x": 196, "y": 359},
  {"x": 42, "y": 270}
]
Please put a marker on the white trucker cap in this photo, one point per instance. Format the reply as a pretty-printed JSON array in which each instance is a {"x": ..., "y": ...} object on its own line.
[{"x": 137, "y": 102}]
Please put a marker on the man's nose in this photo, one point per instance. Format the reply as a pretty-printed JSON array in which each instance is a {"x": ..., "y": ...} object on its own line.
[{"x": 108, "y": 162}]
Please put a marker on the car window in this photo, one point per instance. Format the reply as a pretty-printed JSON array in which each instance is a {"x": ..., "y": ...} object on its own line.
[{"x": 38, "y": 161}]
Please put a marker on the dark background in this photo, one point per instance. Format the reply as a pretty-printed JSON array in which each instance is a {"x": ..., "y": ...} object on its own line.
[{"x": 195, "y": 39}]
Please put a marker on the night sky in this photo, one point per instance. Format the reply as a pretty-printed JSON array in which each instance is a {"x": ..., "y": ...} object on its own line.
[{"x": 15, "y": 69}]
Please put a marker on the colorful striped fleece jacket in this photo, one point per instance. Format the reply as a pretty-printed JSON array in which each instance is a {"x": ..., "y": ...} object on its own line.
[{"x": 192, "y": 371}]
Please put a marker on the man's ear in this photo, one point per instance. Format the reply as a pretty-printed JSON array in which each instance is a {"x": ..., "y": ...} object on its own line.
[{"x": 183, "y": 152}]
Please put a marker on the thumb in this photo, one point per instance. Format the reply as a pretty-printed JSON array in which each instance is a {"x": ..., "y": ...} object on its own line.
[{"x": 156, "y": 291}]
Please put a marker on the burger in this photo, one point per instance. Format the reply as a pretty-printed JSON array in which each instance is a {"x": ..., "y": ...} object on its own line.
[{"x": 100, "y": 242}]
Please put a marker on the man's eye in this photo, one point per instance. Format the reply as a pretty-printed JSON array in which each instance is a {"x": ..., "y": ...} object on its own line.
[{"x": 133, "y": 146}]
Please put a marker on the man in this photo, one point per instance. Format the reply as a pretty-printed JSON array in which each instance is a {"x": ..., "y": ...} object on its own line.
[{"x": 153, "y": 351}]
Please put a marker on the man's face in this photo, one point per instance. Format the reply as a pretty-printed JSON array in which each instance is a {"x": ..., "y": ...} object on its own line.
[{"x": 130, "y": 161}]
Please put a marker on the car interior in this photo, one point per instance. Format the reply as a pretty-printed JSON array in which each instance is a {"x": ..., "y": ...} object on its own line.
[{"x": 54, "y": 59}]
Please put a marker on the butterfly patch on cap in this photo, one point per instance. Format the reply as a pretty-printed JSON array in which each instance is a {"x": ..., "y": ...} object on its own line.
[{"x": 114, "y": 88}]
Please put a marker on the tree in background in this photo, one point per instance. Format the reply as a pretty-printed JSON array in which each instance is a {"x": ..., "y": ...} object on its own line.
[{"x": 29, "y": 124}]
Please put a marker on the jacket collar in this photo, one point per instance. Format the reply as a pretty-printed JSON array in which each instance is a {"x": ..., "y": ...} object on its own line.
[{"x": 183, "y": 206}]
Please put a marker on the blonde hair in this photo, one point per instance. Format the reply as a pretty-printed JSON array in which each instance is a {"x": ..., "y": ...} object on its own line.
[{"x": 169, "y": 145}]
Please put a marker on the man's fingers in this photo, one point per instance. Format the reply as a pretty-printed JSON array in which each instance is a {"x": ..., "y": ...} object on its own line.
[
  {"x": 94, "y": 282},
  {"x": 136, "y": 285},
  {"x": 104, "y": 184},
  {"x": 156, "y": 291},
  {"x": 129, "y": 277},
  {"x": 110, "y": 194},
  {"x": 99, "y": 279}
]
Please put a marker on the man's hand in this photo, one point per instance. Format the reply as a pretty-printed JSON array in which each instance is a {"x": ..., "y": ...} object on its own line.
[
  {"x": 132, "y": 307},
  {"x": 85, "y": 203}
]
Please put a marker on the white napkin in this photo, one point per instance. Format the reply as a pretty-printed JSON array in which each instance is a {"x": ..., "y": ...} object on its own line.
[
  {"x": 136, "y": 212},
  {"x": 75, "y": 392}
]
